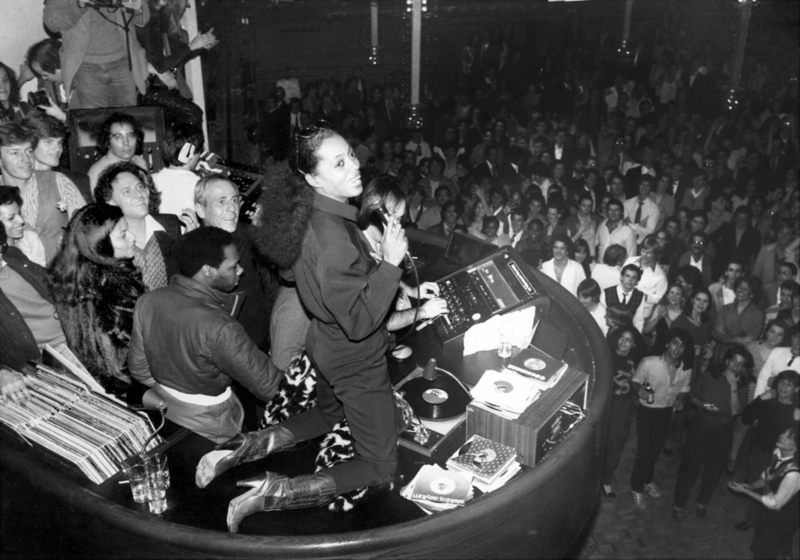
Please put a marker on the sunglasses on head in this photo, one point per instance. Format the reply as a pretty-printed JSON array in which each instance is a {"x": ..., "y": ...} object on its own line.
[{"x": 316, "y": 127}]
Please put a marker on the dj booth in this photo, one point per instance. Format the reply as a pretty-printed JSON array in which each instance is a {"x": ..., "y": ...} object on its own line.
[{"x": 49, "y": 509}]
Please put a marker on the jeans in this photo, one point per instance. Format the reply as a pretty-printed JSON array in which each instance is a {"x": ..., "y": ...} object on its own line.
[
  {"x": 652, "y": 427},
  {"x": 620, "y": 418},
  {"x": 103, "y": 85}
]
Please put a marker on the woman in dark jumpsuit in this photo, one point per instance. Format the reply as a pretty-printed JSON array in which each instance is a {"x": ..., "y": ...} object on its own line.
[{"x": 349, "y": 297}]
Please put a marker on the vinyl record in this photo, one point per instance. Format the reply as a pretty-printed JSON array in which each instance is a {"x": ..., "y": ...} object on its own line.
[{"x": 440, "y": 399}]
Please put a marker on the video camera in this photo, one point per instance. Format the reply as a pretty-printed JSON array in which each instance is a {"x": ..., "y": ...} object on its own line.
[{"x": 108, "y": 3}]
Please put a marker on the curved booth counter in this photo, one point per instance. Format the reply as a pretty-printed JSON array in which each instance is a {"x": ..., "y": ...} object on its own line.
[{"x": 540, "y": 513}]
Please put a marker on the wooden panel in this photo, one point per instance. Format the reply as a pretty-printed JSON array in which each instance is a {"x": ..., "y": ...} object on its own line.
[{"x": 527, "y": 434}]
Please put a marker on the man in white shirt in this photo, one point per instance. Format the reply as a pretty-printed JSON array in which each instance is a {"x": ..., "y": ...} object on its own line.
[
  {"x": 419, "y": 146},
  {"x": 641, "y": 213},
  {"x": 653, "y": 282},
  {"x": 176, "y": 182},
  {"x": 612, "y": 231},
  {"x": 779, "y": 359}
]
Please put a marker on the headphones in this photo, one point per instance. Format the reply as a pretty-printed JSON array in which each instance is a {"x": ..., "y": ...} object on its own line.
[{"x": 187, "y": 153}]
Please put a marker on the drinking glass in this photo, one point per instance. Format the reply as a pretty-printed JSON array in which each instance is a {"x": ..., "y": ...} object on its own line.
[
  {"x": 504, "y": 350},
  {"x": 158, "y": 465},
  {"x": 156, "y": 493},
  {"x": 137, "y": 475}
]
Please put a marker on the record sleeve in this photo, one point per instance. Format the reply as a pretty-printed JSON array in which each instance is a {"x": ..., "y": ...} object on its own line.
[
  {"x": 485, "y": 459},
  {"x": 437, "y": 485},
  {"x": 538, "y": 365}
]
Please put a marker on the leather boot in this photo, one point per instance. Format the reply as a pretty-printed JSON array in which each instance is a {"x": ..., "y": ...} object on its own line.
[
  {"x": 272, "y": 491},
  {"x": 246, "y": 447}
]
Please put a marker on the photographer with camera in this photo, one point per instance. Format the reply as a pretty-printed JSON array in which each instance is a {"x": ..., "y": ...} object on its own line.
[
  {"x": 102, "y": 63},
  {"x": 43, "y": 63}
]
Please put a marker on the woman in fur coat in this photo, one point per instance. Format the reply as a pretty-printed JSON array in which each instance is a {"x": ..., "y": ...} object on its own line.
[{"x": 95, "y": 286}]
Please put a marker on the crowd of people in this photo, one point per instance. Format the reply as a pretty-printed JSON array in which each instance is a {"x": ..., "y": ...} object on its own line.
[{"x": 670, "y": 210}]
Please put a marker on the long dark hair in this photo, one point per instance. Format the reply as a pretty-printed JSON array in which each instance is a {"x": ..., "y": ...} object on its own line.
[
  {"x": 85, "y": 261},
  {"x": 95, "y": 295},
  {"x": 13, "y": 93},
  {"x": 688, "y": 307},
  {"x": 639, "y": 349}
]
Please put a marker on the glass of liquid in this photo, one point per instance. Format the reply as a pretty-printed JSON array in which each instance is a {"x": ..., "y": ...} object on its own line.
[
  {"x": 137, "y": 476},
  {"x": 156, "y": 494},
  {"x": 158, "y": 465}
]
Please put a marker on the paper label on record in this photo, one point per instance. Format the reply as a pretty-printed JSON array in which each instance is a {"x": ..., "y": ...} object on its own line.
[{"x": 535, "y": 364}]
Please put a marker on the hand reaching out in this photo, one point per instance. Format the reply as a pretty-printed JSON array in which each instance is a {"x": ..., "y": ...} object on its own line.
[{"x": 205, "y": 40}]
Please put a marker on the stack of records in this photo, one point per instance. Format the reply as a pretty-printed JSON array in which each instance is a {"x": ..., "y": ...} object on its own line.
[
  {"x": 505, "y": 393},
  {"x": 491, "y": 464},
  {"x": 436, "y": 489},
  {"x": 544, "y": 370},
  {"x": 92, "y": 433}
]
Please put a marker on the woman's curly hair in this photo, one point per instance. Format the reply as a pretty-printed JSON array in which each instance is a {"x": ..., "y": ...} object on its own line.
[
  {"x": 105, "y": 184},
  {"x": 285, "y": 203}
]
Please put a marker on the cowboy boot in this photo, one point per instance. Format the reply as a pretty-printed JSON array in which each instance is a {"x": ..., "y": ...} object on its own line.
[
  {"x": 272, "y": 491},
  {"x": 246, "y": 447}
]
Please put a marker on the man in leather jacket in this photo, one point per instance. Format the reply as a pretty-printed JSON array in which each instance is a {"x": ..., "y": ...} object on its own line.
[{"x": 188, "y": 345}]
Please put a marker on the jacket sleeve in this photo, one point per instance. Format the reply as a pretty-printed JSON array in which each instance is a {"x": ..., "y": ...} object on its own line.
[
  {"x": 358, "y": 302},
  {"x": 61, "y": 15},
  {"x": 630, "y": 244},
  {"x": 765, "y": 375},
  {"x": 758, "y": 268},
  {"x": 137, "y": 359},
  {"x": 237, "y": 356},
  {"x": 70, "y": 194},
  {"x": 152, "y": 42}
]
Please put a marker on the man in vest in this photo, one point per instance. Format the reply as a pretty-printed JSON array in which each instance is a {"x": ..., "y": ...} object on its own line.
[
  {"x": 49, "y": 198},
  {"x": 625, "y": 293}
]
